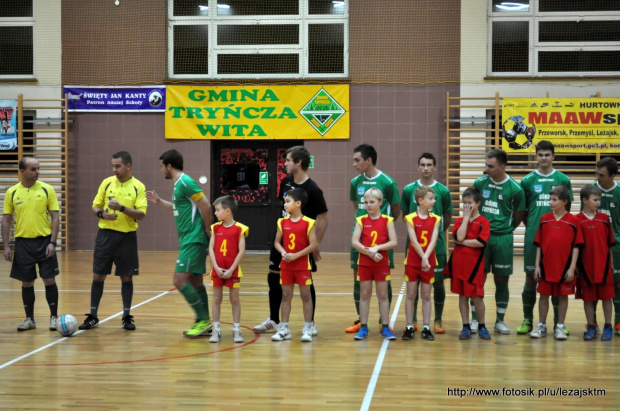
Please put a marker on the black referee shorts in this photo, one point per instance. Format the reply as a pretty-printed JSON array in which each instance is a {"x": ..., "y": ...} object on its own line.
[
  {"x": 28, "y": 253},
  {"x": 116, "y": 247}
]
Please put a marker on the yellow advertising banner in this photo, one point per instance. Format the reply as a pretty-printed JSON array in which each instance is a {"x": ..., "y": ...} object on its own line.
[
  {"x": 580, "y": 125},
  {"x": 257, "y": 112}
]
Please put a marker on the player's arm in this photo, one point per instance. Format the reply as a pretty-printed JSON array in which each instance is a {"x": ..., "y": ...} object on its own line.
[
  {"x": 395, "y": 210},
  {"x": 205, "y": 209},
  {"x": 214, "y": 264},
  {"x": 51, "y": 248},
  {"x": 321, "y": 227},
  {"x": 570, "y": 273},
  {"x": 355, "y": 240},
  {"x": 537, "y": 264},
  {"x": 154, "y": 198},
  {"x": 518, "y": 218},
  {"x": 354, "y": 205},
  {"x": 433, "y": 242},
  {"x": 447, "y": 221},
  {"x": 413, "y": 239},
  {"x": 277, "y": 243},
  {"x": 7, "y": 220}
]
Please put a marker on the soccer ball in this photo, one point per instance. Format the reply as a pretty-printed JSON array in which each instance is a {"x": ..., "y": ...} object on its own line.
[
  {"x": 513, "y": 128},
  {"x": 66, "y": 325}
]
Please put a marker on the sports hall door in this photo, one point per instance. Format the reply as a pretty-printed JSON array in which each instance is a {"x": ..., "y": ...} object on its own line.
[{"x": 251, "y": 172}]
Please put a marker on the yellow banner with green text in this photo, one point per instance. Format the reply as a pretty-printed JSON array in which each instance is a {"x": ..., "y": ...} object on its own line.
[
  {"x": 580, "y": 125},
  {"x": 257, "y": 112}
]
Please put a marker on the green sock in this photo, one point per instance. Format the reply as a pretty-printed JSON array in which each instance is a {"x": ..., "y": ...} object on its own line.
[
  {"x": 502, "y": 294},
  {"x": 440, "y": 297},
  {"x": 617, "y": 307},
  {"x": 202, "y": 293},
  {"x": 356, "y": 296},
  {"x": 554, "y": 303},
  {"x": 474, "y": 317},
  {"x": 193, "y": 299},
  {"x": 529, "y": 301}
]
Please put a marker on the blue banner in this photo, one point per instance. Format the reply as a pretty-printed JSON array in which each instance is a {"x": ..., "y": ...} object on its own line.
[
  {"x": 116, "y": 99},
  {"x": 8, "y": 127}
]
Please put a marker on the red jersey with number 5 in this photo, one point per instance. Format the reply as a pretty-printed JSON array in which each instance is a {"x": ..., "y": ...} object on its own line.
[
  {"x": 374, "y": 232},
  {"x": 295, "y": 237},
  {"x": 424, "y": 228},
  {"x": 226, "y": 246}
]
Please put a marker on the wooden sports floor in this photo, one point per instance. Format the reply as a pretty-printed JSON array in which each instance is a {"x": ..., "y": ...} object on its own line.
[{"x": 155, "y": 367}]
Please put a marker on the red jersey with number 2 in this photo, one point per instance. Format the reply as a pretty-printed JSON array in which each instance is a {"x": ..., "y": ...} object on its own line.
[{"x": 374, "y": 232}]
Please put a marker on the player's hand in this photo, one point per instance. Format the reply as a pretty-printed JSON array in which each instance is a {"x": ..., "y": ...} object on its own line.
[
  {"x": 376, "y": 257},
  {"x": 316, "y": 254},
  {"x": 227, "y": 274},
  {"x": 373, "y": 250},
  {"x": 467, "y": 208},
  {"x": 114, "y": 205},
  {"x": 285, "y": 257},
  {"x": 537, "y": 274},
  {"x": 8, "y": 254},
  {"x": 109, "y": 216},
  {"x": 425, "y": 264},
  {"x": 153, "y": 197},
  {"x": 570, "y": 275},
  {"x": 51, "y": 249}
]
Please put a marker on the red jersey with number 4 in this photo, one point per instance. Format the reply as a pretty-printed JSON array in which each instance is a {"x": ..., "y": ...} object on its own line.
[
  {"x": 295, "y": 237},
  {"x": 557, "y": 239},
  {"x": 598, "y": 237},
  {"x": 374, "y": 232},
  {"x": 226, "y": 246},
  {"x": 424, "y": 228},
  {"x": 467, "y": 263}
]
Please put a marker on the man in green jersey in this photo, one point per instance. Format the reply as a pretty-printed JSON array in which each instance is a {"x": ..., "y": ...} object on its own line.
[
  {"x": 537, "y": 185},
  {"x": 503, "y": 204},
  {"x": 427, "y": 167},
  {"x": 192, "y": 216},
  {"x": 606, "y": 170},
  {"x": 365, "y": 162}
]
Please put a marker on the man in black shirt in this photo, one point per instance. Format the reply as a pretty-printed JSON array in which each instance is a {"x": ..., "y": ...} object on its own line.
[{"x": 297, "y": 163}]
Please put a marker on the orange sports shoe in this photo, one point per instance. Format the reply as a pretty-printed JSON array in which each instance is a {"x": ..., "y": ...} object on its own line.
[
  {"x": 439, "y": 327},
  {"x": 354, "y": 328}
]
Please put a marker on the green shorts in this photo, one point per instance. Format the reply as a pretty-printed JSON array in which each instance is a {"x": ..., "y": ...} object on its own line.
[
  {"x": 499, "y": 254},
  {"x": 355, "y": 255},
  {"x": 529, "y": 258},
  {"x": 441, "y": 263},
  {"x": 616, "y": 256},
  {"x": 192, "y": 259}
]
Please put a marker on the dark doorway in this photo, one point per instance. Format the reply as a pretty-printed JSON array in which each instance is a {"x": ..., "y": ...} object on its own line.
[{"x": 251, "y": 172}]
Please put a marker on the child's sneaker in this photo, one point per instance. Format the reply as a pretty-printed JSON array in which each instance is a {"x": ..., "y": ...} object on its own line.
[
  {"x": 439, "y": 327},
  {"x": 589, "y": 334},
  {"x": 237, "y": 336},
  {"x": 525, "y": 327},
  {"x": 306, "y": 335},
  {"x": 474, "y": 326},
  {"x": 607, "y": 333},
  {"x": 408, "y": 334},
  {"x": 27, "y": 324},
  {"x": 598, "y": 329},
  {"x": 560, "y": 333},
  {"x": 362, "y": 334},
  {"x": 540, "y": 331},
  {"x": 387, "y": 334},
  {"x": 427, "y": 335},
  {"x": 266, "y": 326},
  {"x": 501, "y": 328},
  {"x": 617, "y": 328},
  {"x": 53, "y": 320},
  {"x": 313, "y": 329},
  {"x": 216, "y": 336},
  {"x": 357, "y": 325},
  {"x": 484, "y": 334},
  {"x": 465, "y": 334},
  {"x": 281, "y": 335}
]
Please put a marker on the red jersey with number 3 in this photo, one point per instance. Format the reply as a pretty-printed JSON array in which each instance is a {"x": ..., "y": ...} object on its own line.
[
  {"x": 593, "y": 264},
  {"x": 467, "y": 263},
  {"x": 374, "y": 232},
  {"x": 295, "y": 237},
  {"x": 557, "y": 239},
  {"x": 226, "y": 246},
  {"x": 424, "y": 228}
]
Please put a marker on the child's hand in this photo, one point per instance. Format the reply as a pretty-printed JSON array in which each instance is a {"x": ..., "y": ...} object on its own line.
[
  {"x": 570, "y": 274},
  {"x": 467, "y": 210},
  {"x": 226, "y": 274},
  {"x": 286, "y": 257},
  {"x": 537, "y": 274},
  {"x": 376, "y": 257},
  {"x": 425, "y": 264},
  {"x": 220, "y": 272},
  {"x": 373, "y": 250}
]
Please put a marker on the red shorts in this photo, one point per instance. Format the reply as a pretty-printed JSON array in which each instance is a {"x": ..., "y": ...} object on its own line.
[
  {"x": 595, "y": 292},
  {"x": 413, "y": 274},
  {"x": 556, "y": 289},
  {"x": 299, "y": 277},
  {"x": 373, "y": 273},
  {"x": 232, "y": 282},
  {"x": 466, "y": 289}
]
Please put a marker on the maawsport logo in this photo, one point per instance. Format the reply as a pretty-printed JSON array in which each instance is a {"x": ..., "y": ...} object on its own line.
[{"x": 322, "y": 111}]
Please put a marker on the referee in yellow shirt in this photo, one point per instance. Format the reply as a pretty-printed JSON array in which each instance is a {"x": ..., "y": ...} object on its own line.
[
  {"x": 119, "y": 204},
  {"x": 35, "y": 207}
]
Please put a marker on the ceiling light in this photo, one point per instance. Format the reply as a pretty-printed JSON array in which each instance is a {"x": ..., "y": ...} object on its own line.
[{"x": 508, "y": 6}]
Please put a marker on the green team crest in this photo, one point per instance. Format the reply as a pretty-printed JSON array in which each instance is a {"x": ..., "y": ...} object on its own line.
[{"x": 322, "y": 112}]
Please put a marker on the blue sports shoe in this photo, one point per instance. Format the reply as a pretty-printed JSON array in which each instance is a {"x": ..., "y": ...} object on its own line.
[
  {"x": 387, "y": 334},
  {"x": 484, "y": 334},
  {"x": 465, "y": 334},
  {"x": 362, "y": 334},
  {"x": 608, "y": 332},
  {"x": 589, "y": 334}
]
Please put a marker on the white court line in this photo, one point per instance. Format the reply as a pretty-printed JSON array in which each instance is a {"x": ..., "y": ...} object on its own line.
[
  {"x": 6, "y": 364},
  {"x": 372, "y": 384}
]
